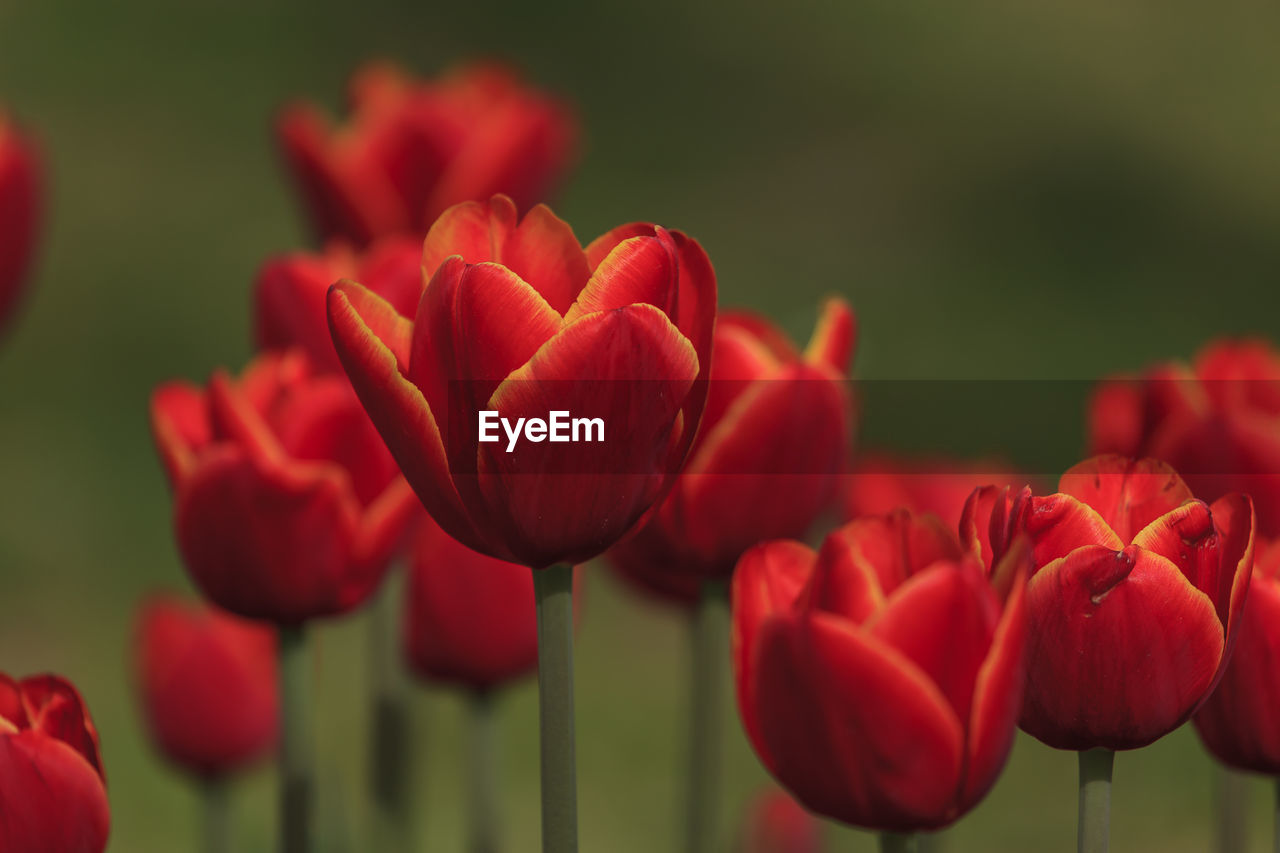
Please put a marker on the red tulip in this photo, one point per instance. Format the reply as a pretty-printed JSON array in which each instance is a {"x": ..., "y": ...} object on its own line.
[
  {"x": 775, "y": 434},
  {"x": 288, "y": 506},
  {"x": 289, "y": 294},
  {"x": 208, "y": 685},
  {"x": 880, "y": 678},
  {"x": 1216, "y": 422},
  {"x": 53, "y": 794},
  {"x": 469, "y": 619},
  {"x": 775, "y": 823},
  {"x": 517, "y": 319},
  {"x": 411, "y": 149},
  {"x": 880, "y": 483},
  {"x": 19, "y": 213},
  {"x": 1238, "y": 722},
  {"x": 1122, "y": 553}
]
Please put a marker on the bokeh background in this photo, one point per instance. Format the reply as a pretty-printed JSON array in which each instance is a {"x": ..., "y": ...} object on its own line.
[{"x": 1003, "y": 189}]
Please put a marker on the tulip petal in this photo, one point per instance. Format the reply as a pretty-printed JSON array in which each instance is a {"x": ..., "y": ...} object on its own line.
[
  {"x": 53, "y": 799},
  {"x": 639, "y": 270},
  {"x": 393, "y": 330},
  {"x": 770, "y": 464},
  {"x": 1127, "y": 493},
  {"x": 398, "y": 409},
  {"x": 834, "y": 338},
  {"x": 629, "y": 367},
  {"x": 1059, "y": 524},
  {"x": 267, "y": 541},
  {"x": 943, "y": 620},
  {"x": 1104, "y": 670},
  {"x": 857, "y": 732},
  {"x": 476, "y": 324},
  {"x": 180, "y": 424},
  {"x": 769, "y": 579},
  {"x": 998, "y": 694}
]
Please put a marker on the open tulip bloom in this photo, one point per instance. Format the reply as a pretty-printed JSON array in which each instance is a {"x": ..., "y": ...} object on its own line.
[
  {"x": 518, "y": 320},
  {"x": 53, "y": 794},
  {"x": 1134, "y": 604},
  {"x": 880, "y": 678}
]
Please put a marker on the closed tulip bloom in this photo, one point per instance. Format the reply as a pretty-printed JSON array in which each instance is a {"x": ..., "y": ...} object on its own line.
[
  {"x": 1135, "y": 600},
  {"x": 469, "y": 619},
  {"x": 776, "y": 823},
  {"x": 287, "y": 505},
  {"x": 774, "y": 437},
  {"x": 207, "y": 685},
  {"x": 410, "y": 149},
  {"x": 880, "y": 483},
  {"x": 1216, "y": 421},
  {"x": 519, "y": 320},
  {"x": 289, "y": 292},
  {"x": 53, "y": 795},
  {"x": 20, "y": 205},
  {"x": 1238, "y": 722},
  {"x": 880, "y": 678}
]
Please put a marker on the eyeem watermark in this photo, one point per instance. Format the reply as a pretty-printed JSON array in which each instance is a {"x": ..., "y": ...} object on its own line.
[{"x": 558, "y": 427}]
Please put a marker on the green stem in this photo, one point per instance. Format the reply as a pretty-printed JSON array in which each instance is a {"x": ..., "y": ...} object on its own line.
[
  {"x": 1276, "y": 841},
  {"x": 216, "y": 820},
  {"x": 296, "y": 740},
  {"x": 553, "y": 589},
  {"x": 710, "y": 630},
  {"x": 483, "y": 778},
  {"x": 1231, "y": 813},
  {"x": 389, "y": 727},
  {"x": 1094, "y": 824},
  {"x": 898, "y": 842}
]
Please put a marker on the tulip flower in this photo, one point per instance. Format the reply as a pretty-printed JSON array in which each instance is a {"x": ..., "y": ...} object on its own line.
[
  {"x": 520, "y": 322},
  {"x": 1120, "y": 553},
  {"x": 1217, "y": 422},
  {"x": 20, "y": 205},
  {"x": 208, "y": 692},
  {"x": 410, "y": 149},
  {"x": 287, "y": 504},
  {"x": 287, "y": 508},
  {"x": 53, "y": 794},
  {"x": 879, "y": 679},
  {"x": 775, "y": 823},
  {"x": 289, "y": 293},
  {"x": 774, "y": 437},
  {"x": 207, "y": 685},
  {"x": 880, "y": 483}
]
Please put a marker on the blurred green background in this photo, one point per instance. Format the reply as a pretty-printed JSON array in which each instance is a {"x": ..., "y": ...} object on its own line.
[{"x": 1003, "y": 189}]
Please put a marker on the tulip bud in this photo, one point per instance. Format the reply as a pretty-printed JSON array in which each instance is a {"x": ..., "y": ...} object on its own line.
[
  {"x": 775, "y": 823},
  {"x": 207, "y": 685},
  {"x": 516, "y": 320},
  {"x": 1120, "y": 553},
  {"x": 53, "y": 795},
  {"x": 879, "y": 679},
  {"x": 287, "y": 505}
]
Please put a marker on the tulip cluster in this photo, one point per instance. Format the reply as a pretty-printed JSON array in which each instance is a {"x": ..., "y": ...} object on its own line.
[{"x": 420, "y": 378}]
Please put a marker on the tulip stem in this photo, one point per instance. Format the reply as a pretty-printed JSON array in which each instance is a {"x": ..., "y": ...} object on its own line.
[
  {"x": 389, "y": 728},
  {"x": 898, "y": 842},
  {"x": 1231, "y": 809},
  {"x": 296, "y": 759},
  {"x": 710, "y": 631},
  {"x": 553, "y": 590},
  {"x": 483, "y": 774},
  {"x": 216, "y": 801},
  {"x": 1094, "y": 824},
  {"x": 1276, "y": 841}
]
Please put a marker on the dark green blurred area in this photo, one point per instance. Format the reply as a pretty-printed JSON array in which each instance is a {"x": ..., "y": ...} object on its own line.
[{"x": 1002, "y": 189}]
